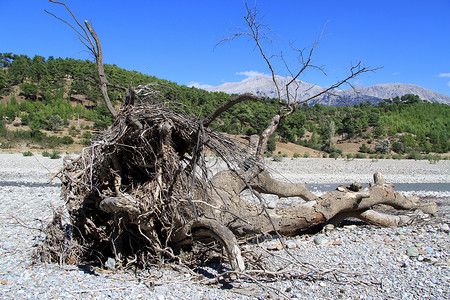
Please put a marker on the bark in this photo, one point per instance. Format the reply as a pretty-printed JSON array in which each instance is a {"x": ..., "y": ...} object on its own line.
[
  {"x": 205, "y": 229},
  {"x": 266, "y": 134},
  {"x": 101, "y": 70},
  {"x": 331, "y": 207},
  {"x": 224, "y": 107}
]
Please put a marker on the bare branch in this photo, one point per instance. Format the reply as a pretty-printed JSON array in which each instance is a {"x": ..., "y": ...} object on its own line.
[
  {"x": 256, "y": 31},
  {"x": 101, "y": 69},
  {"x": 355, "y": 70},
  {"x": 86, "y": 35},
  {"x": 96, "y": 49},
  {"x": 224, "y": 107},
  {"x": 80, "y": 35}
]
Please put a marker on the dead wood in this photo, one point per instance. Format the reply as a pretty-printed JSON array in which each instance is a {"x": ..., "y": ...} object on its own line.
[{"x": 144, "y": 194}]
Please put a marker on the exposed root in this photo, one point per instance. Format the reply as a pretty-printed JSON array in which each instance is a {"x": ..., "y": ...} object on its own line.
[{"x": 142, "y": 194}]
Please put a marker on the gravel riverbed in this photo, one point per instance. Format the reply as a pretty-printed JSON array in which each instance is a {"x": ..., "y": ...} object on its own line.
[{"x": 361, "y": 261}]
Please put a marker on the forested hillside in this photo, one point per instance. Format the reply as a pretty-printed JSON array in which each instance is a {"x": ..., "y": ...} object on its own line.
[{"x": 41, "y": 96}]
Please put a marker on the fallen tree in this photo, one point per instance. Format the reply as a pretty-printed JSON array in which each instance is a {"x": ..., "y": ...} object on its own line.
[{"x": 143, "y": 192}]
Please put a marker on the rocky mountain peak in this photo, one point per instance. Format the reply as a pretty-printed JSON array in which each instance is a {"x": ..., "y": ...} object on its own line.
[{"x": 264, "y": 85}]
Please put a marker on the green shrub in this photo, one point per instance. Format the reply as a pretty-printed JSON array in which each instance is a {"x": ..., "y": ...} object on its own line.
[
  {"x": 87, "y": 142},
  {"x": 325, "y": 155},
  {"x": 397, "y": 156},
  {"x": 87, "y": 135},
  {"x": 398, "y": 147},
  {"x": 27, "y": 153},
  {"x": 46, "y": 154},
  {"x": 296, "y": 155},
  {"x": 54, "y": 123},
  {"x": 360, "y": 155},
  {"x": 271, "y": 143},
  {"x": 102, "y": 122},
  {"x": 74, "y": 132},
  {"x": 55, "y": 155},
  {"x": 348, "y": 156},
  {"x": 277, "y": 158},
  {"x": 66, "y": 140},
  {"x": 24, "y": 119},
  {"x": 330, "y": 149},
  {"x": 432, "y": 158},
  {"x": 334, "y": 155},
  {"x": 365, "y": 149},
  {"x": 383, "y": 147},
  {"x": 414, "y": 155},
  {"x": 306, "y": 155}
]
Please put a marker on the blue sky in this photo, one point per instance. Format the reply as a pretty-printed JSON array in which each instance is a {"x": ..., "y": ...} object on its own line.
[{"x": 176, "y": 40}]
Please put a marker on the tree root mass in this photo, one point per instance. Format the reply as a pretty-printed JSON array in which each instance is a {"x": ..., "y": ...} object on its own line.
[{"x": 142, "y": 194}]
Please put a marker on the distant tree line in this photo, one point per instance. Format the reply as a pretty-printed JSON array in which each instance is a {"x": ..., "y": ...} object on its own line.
[{"x": 49, "y": 89}]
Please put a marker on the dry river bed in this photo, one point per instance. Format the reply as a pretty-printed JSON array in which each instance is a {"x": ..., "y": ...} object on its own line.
[{"x": 354, "y": 261}]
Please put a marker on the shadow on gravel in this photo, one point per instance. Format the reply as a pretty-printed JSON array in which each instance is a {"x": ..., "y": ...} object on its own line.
[{"x": 88, "y": 269}]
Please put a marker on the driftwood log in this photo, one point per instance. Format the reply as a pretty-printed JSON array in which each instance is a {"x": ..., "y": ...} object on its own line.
[{"x": 142, "y": 193}]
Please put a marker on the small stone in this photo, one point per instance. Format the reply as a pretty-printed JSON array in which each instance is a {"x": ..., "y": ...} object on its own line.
[
  {"x": 271, "y": 246},
  {"x": 274, "y": 246},
  {"x": 272, "y": 205},
  {"x": 110, "y": 263},
  {"x": 341, "y": 188},
  {"x": 279, "y": 246},
  {"x": 445, "y": 227},
  {"x": 328, "y": 227},
  {"x": 337, "y": 242},
  {"x": 412, "y": 252},
  {"x": 291, "y": 245},
  {"x": 405, "y": 264},
  {"x": 432, "y": 260},
  {"x": 350, "y": 226},
  {"x": 318, "y": 240},
  {"x": 428, "y": 250}
]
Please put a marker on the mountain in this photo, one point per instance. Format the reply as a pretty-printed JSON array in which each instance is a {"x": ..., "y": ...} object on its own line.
[{"x": 263, "y": 85}]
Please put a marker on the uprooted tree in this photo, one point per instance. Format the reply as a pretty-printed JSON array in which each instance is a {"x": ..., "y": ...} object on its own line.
[{"x": 144, "y": 192}]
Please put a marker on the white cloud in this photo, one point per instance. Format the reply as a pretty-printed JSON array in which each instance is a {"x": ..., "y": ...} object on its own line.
[
  {"x": 445, "y": 75},
  {"x": 198, "y": 85},
  {"x": 250, "y": 74}
]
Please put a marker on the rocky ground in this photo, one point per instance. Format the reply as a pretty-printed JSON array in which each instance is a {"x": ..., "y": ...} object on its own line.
[{"x": 354, "y": 261}]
